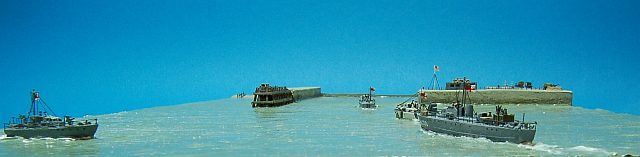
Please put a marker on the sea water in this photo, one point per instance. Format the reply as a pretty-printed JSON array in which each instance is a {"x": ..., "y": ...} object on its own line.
[{"x": 329, "y": 126}]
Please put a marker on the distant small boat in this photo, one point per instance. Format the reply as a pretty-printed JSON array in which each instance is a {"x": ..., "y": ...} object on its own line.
[
  {"x": 40, "y": 124},
  {"x": 367, "y": 100}
]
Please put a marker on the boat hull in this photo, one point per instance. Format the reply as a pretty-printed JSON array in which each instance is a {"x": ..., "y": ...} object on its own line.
[
  {"x": 476, "y": 130},
  {"x": 273, "y": 103},
  {"x": 79, "y": 131},
  {"x": 368, "y": 105}
]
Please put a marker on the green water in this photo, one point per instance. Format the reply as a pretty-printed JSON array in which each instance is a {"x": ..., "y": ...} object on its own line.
[{"x": 328, "y": 126}]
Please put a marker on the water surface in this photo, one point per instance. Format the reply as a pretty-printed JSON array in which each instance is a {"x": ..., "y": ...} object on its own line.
[{"x": 328, "y": 126}]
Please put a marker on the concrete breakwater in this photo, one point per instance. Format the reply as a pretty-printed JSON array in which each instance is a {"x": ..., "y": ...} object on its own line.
[
  {"x": 504, "y": 96},
  {"x": 487, "y": 96},
  {"x": 300, "y": 93},
  {"x": 491, "y": 96}
]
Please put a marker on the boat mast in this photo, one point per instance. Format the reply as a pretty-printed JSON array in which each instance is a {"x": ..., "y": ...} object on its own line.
[
  {"x": 34, "y": 107},
  {"x": 370, "y": 93},
  {"x": 464, "y": 88}
]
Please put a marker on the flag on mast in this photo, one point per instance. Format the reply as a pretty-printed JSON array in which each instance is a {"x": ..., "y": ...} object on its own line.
[{"x": 372, "y": 89}]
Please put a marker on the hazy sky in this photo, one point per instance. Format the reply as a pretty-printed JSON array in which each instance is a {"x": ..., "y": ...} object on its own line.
[{"x": 96, "y": 57}]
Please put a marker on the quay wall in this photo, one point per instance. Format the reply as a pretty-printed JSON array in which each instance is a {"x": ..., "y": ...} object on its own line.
[
  {"x": 489, "y": 96},
  {"x": 300, "y": 93},
  {"x": 486, "y": 96},
  {"x": 505, "y": 96}
]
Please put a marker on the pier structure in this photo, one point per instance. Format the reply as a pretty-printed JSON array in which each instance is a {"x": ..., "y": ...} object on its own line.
[
  {"x": 487, "y": 96},
  {"x": 480, "y": 96},
  {"x": 505, "y": 96}
]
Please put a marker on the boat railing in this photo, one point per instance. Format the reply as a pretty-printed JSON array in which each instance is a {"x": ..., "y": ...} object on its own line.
[
  {"x": 511, "y": 87},
  {"x": 270, "y": 89},
  {"x": 87, "y": 121},
  {"x": 95, "y": 120},
  {"x": 528, "y": 125}
]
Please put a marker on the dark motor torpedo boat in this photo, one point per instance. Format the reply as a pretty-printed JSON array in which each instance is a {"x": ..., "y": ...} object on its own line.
[{"x": 41, "y": 124}]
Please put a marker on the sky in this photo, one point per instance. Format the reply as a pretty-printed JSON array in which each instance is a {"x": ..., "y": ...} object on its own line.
[{"x": 100, "y": 57}]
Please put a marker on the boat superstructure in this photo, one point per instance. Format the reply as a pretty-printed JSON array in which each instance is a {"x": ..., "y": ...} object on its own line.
[{"x": 367, "y": 100}]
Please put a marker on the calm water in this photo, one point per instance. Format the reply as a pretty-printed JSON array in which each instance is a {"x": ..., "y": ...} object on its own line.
[{"x": 328, "y": 126}]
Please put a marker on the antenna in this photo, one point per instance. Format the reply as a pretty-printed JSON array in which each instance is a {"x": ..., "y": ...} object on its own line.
[{"x": 370, "y": 92}]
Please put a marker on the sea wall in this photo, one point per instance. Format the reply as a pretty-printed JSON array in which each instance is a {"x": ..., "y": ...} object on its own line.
[
  {"x": 487, "y": 96},
  {"x": 504, "y": 96},
  {"x": 300, "y": 93}
]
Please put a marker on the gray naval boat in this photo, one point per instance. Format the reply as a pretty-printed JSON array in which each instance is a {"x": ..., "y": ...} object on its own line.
[
  {"x": 40, "y": 124},
  {"x": 367, "y": 100},
  {"x": 461, "y": 120},
  {"x": 407, "y": 110}
]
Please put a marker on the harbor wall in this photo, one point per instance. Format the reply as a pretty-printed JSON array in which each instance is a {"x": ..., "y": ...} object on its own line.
[
  {"x": 300, "y": 93},
  {"x": 505, "y": 96},
  {"x": 486, "y": 96},
  {"x": 489, "y": 96}
]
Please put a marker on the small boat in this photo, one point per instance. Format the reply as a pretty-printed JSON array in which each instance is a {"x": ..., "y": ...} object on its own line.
[
  {"x": 367, "y": 100},
  {"x": 41, "y": 124},
  {"x": 407, "y": 110},
  {"x": 410, "y": 110}
]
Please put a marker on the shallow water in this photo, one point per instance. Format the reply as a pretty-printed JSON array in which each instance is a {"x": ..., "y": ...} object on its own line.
[{"x": 328, "y": 126}]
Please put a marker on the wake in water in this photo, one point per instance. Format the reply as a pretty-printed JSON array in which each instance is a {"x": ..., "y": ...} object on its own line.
[
  {"x": 434, "y": 134},
  {"x": 366, "y": 109},
  {"x": 369, "y": 109},
  {"x": 3, "y": 137},
  {"x": 537, "y": 146},
  {"x": 29, "y": 140},
  {"x": 577, "y": 150}
]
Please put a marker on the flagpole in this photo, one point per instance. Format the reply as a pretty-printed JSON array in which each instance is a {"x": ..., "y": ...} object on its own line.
[{"x": 434, "y": 79}]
